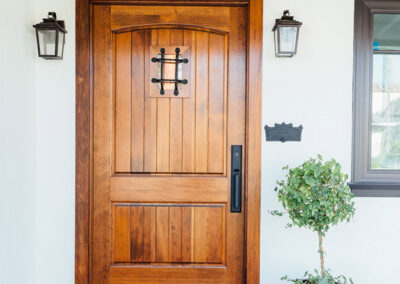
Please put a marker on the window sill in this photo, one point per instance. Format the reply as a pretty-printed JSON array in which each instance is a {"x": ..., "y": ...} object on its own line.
[{"x": 375, "y": 189}]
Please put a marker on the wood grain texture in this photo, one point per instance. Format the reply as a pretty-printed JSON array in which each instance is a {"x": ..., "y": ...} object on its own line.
[
  {"x": 102, "y": 57},
  {"x": 175, "y": 3},
  {"x": 210, "y": 17},
  {"x": 83, "y": 210},
  {"x": 149, "y": 229},
  {"x": 187, "y": 235},
  {"x": 176, "y": 117},
  {"x": 215, "y": 221},
  {"x": 175, "y": 234},
  {"x": 137, "y": 234},
  {"x": 122, "y": 227},
  {"x": 188, "y": 111},
  {"x": 168, "y": 275},
  {"x": 150, "y": 105},
  {"x": 201, "y": 103},
  {"x": 216, "y": 110},
  {"x": 164, "y": 189},
  {"x": 237, "y": 115},
  {"x": 171, "y": 134},
  {"x": 138, "y": 96},
  {"x": 163, "y": 114},
  {"x": 82, "y": 141},
  {"x": 200, "y": 234},
  {"x": 253, "y": 136},
  {"x": 123, "y": 102},
  {"x": 162, "y": 234}
]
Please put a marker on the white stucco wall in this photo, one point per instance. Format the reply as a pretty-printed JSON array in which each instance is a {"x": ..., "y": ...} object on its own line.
[
  {"x": 55, "y": 148},
  {"x": 17, "y": 143},
  {"x": 313, "y": 89},
  {"x": 37, "y": 120}
]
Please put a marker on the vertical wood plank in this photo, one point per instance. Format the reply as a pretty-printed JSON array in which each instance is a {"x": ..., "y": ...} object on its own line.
[
  {"x": 189, "y": 111},
  {"x": 123, "y": 102},
  {"x": 186, "y": 234},
  {"x": 201, "y": 101},
  {"x": 216, "y": 104},
  {"x": 163, "y": 111},
  {"x": 162, "y": 234},
  {"x": 175, "y": 234},
  {"x": 122, "y": 234},
  {"x": 138, "y": 94},
  {"x": 237, "y": 115},
  {"x": 192, "y": 236},
  {"x": 215, "y": 235},
  {"x": 149, "y": 223},
  {"x": 176, "y": 119},
  {"x": 253, "y": 140},
  {"x": 82, "y": 141},
  {"x": 150, "y": 119},
  {"x": 137, "y": 226},
  {"x": 113, "y": 237},
  {"x": 101, "y": 132},
  {"x": 200, "y": 235}
]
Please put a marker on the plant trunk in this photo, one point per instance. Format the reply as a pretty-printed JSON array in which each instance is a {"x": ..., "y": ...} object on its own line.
[{"x": 321, "y": 254}]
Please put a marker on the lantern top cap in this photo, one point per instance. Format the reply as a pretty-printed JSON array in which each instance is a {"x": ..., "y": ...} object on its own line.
[
  {"x": 51, "y": 22},
  {"x": 286, "y": 20}
]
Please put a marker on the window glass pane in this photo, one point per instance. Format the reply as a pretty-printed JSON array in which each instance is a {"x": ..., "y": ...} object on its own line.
[
  {"x": 60, "y": 44},
  {"x": 288, "y": 39},
  {"x": 386, "y": 32},
  {"x": 385, "y": 135},
  {"x": 169, "y": 71},
  {"x": 47, "y": 41}
]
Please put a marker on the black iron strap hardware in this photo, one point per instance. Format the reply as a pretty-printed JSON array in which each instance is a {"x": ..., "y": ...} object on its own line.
[{"x": 162, "y": 80}]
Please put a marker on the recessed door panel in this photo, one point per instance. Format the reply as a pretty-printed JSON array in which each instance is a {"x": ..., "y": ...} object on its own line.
[
  {"x": 170, "y": 133},
  {"x": 168, "y": 233}
]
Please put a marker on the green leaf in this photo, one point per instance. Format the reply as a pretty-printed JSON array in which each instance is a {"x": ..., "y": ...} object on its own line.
[{"x": 315, "y": 194}]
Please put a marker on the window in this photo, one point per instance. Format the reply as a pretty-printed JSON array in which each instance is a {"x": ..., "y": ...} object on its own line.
[
  {"x": 376, "y": 109},
  {"x": 385, "y": 106}
]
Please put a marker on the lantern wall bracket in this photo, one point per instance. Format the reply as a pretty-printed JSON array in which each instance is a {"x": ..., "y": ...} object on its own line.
[
  {"x": 286, "y": 19},
  {"x": 162, "y": 59},
  {"x": 51, "y": 19}
]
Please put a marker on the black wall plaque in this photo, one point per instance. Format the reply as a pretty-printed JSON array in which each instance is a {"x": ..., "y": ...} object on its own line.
[{"x": 283, "y": 132}]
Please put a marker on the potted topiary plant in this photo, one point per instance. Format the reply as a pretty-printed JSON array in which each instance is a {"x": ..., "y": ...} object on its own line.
[{"x": 316, "y": 196}]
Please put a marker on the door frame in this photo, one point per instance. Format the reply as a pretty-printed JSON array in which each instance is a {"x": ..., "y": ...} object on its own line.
[{"x": 84, "y": 130}]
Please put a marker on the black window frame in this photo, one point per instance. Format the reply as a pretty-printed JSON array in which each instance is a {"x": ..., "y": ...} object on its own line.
[{"x": 364, "y": 181}]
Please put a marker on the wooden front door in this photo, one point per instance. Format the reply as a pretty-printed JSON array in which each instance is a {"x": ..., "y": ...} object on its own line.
[{"x": 162, "y": 180}]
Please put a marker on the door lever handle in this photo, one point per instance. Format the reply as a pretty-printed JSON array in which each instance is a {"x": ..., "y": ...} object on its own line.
[
  {"x": 237, "y": 191},
  {"x": 236, "y": 178}
]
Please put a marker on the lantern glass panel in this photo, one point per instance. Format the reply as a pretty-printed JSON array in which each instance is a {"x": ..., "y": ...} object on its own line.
[
  {"x": 60, "y": 51},
  {"x": 47, "y": 42},
  {"x": 287, "y": 39}
]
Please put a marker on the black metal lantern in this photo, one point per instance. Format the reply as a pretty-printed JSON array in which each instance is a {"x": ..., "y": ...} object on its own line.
[
  {"x": 50, "y": 35},
  {"x": 286, "y": 31}
]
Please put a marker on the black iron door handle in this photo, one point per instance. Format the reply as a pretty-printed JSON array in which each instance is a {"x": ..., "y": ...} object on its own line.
[
  {"x": 236, "y": 178},
  {"x": 237, "y": 191}
]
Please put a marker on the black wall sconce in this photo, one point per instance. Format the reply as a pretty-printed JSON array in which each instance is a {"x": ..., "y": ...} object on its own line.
[
  {"x": 286, "y": 31},
  {"x": 50, "y": 36}
]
